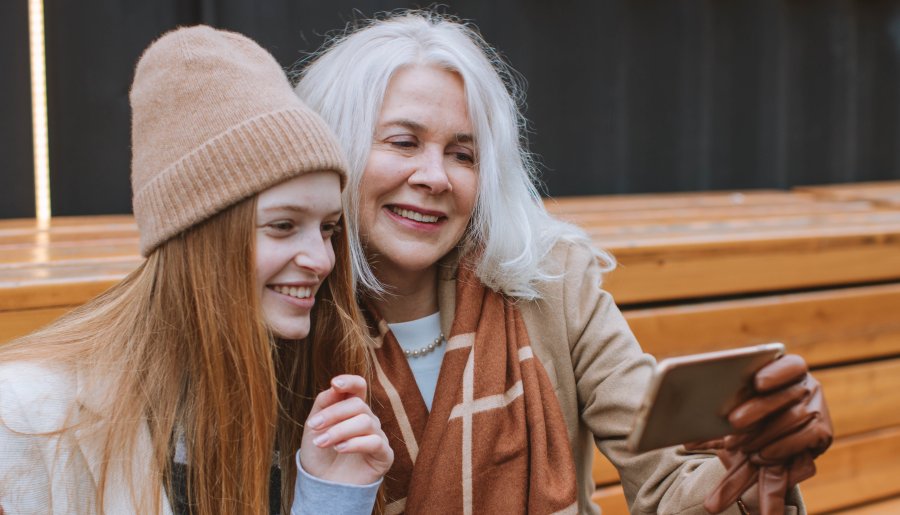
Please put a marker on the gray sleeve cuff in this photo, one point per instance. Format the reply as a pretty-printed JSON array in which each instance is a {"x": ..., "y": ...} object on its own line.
[{"x": 321, "y": 497}]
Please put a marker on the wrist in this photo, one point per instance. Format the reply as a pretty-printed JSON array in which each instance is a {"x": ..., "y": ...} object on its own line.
[{"x": 357, "y": 478}]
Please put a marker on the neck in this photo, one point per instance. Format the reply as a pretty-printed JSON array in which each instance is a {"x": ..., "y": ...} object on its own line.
[{"x": 409, "y": 296}]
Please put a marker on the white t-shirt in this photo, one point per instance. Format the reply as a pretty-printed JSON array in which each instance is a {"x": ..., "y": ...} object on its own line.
[{"x": 417, "y": 334}]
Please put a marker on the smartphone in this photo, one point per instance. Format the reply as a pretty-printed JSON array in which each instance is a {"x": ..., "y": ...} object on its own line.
[{"x": 689, "y": 397}]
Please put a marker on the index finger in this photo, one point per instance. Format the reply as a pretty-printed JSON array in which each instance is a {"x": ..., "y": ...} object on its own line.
[
  {"x": 342, "y": 387},
  {"x": 784, "y": 371}
]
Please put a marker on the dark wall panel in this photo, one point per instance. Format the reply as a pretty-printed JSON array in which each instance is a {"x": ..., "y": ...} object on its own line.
[
  {"x": 16, "y": 156},
  {"x": 702, "y": 95},
  {"x": 623, "y": 96},
  {"x": 92, "y": 48}
]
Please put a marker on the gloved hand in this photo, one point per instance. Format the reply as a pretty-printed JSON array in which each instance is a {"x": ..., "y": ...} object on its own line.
[{"x": 779, "y": 432}]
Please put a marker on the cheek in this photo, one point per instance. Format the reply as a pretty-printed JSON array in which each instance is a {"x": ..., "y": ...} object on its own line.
[
  {"x": 331, "y": 258},
  {"x": 268, "y": 261},
  {"x": 384, "y": 173},
  {"x": 368, "y": 204},
  {"x": 262, "y": 252},
  {"x": 467, "y": 191}
]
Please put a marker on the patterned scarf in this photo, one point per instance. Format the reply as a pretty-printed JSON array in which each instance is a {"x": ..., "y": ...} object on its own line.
[{"x": 495, "y": 441}]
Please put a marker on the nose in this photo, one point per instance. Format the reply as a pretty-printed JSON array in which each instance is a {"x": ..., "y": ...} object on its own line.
[
  {"x": 316, "y": 256},
  {"x": 430, "y": 172}
]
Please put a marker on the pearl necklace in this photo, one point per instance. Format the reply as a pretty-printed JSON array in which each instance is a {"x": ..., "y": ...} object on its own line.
[{"x": 416, "y": 353}]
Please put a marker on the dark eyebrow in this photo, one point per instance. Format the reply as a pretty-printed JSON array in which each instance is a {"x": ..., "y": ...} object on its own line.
[
  {"x": 413, "y": 126},
  {"x": 463, "y": 137}
]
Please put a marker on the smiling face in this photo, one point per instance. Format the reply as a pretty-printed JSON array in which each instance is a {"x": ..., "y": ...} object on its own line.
[
  {"x": 420, "y": 182},
  {"x": 294, "y": 224}
]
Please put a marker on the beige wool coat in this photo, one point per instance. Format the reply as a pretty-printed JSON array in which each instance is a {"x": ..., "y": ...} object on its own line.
[
  {"x": 43, "y": 471},
  {"x": 599, "y": 373}
]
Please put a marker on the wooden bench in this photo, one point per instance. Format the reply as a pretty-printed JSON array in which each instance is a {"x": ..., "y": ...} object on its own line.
[
  {"x": 878, "y": 193},
  {"x": 817, "y": 268},
  {"x": 46, "y": 271}
]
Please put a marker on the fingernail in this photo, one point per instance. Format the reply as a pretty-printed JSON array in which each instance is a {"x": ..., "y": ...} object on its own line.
[
  {"x": 340, "y": 383},
  {"x": 316, "y": 422},
  {"x": 320, "y": 440},
  {"x": 340, "y": 446}
]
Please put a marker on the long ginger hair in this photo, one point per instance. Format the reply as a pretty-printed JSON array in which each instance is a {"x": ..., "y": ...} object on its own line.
[{"x": 180, "y": 347}]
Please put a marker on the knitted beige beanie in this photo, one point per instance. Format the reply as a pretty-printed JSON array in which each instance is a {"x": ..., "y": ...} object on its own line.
[{"x": 214, "y": 121}]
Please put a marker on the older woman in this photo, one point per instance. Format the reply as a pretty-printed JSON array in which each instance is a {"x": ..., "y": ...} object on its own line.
[{"x": 499, "y": 359}]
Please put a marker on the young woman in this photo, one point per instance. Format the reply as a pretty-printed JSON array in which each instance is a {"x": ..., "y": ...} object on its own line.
[
  {"x": 499, "y": 360},
  {"x": 179, "y": 388}
]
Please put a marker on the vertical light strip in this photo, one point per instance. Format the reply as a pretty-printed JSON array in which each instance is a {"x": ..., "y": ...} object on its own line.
[{"x": 39, "y": 111}]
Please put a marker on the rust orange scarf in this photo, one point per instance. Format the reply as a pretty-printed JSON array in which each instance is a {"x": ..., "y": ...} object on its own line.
[{"x": 495, "y": 441}]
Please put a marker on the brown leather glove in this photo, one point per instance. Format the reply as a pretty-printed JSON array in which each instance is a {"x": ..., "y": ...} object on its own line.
[{"x": 780, "y": 431}]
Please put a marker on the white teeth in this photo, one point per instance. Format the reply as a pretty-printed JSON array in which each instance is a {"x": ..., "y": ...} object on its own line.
[
  {"x": 294, "y": 291},
  {"x": 412, "y": 215}
]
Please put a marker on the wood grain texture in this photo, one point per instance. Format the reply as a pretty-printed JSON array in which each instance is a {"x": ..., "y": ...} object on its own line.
[
  {"x": 19, "y": 323},
  {"x": 855, "y": 470},
  {"x": 655, "y": 201},
  {"x": 825, "y": 327},
  {"x": 863, "y": 397},
  {"x": 885, "y": 193},
  {"x": 657, "y": 270},
  {"x": 64, "y": 285},
  {"x": 882, "y": 507}
]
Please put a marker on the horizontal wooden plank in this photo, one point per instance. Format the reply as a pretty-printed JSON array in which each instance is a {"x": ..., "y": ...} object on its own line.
[
  {"x": 38, "y": 255},
  {"x": 855, "y": 470},
  {"x": 604, "y": 203},
  {"x": 825, "y": 327},
  {"x": 44, "y": 239},
  {"x": 862, "y": 397},
  {"x": 745, "y": 231},
  {"x": 882, "y": 507},
  {"x": 68, "y": 284},
  {"x": 883, "y": 193},
  {"x": 669, "y": 272},
  {"x": 713, "y": 215},
  {"x": 19, "y": 323},
  {"x": 65, "y": 223}
]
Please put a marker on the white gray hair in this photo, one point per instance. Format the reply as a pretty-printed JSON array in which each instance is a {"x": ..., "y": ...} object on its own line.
[{"x": 346, "y": 81}]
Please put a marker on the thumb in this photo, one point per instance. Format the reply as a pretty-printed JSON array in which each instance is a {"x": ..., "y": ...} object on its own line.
[{"x": 773, "y": 484}]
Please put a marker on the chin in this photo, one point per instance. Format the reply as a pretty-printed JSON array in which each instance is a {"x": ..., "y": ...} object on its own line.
[
  {"x": 416, "y": 259},
  {"x": 286, "y": 331},
  {"x": 294, "y": 336}
]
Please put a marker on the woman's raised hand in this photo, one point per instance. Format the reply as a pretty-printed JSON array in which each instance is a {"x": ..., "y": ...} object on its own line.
[
  {"x": 780, "y": 431},
  {"x": 342, "y": 440}
]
